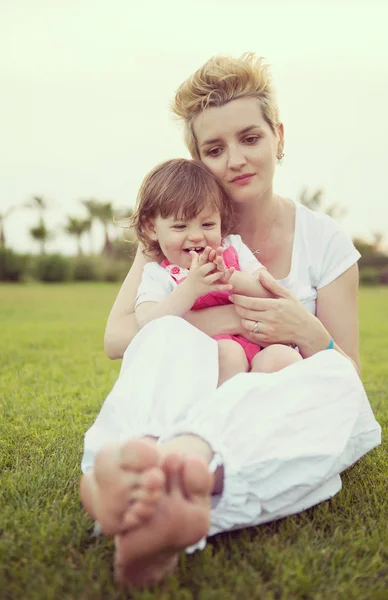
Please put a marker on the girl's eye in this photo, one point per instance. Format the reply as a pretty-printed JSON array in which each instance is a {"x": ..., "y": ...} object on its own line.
[
  {"x": 179, "y": 227},
  {"x": 214, "y": 152},
  {"x": 252, "y": 139},
  {"x": 208, "y": 224}
]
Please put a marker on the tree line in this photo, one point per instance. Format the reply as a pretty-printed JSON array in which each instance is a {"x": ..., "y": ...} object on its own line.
[{"x": 76, "y": 227}]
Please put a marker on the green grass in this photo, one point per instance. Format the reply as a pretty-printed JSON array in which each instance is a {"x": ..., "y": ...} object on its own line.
[{"x": 54, "y": 375}]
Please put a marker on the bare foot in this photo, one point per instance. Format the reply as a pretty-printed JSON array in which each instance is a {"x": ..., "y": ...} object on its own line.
[
  {"x": 149, "y": 552},
  {"x": 127, "y": 484}
]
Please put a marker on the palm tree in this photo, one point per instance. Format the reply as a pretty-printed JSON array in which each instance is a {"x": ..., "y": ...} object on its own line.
[
  {"x": 41, "y": 234},
  {"x": 3, "y": 218},
  {"x": 37, "y": 203},
  {"x": 40, "y": 231},
  {"x": 315, "y": 201},
  {"x": 77, "y": 228},
  {"x": 91, "y": 206}
]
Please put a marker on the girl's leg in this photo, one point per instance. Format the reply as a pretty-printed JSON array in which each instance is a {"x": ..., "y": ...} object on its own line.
[
  {"x": 168, "y": 366},
  {"x": 231, "y": 360},
  {"x": 274, "y": 358}
]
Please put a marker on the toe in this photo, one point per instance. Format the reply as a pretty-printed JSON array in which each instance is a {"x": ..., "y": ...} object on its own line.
[
  {"x": 138, "y": 455},
  {"x": 197, "y": 480},
  {"x": 172, "y": 467}
]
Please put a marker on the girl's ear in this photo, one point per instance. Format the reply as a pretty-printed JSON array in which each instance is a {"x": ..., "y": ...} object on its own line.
[{"x": 149, "y": 230}]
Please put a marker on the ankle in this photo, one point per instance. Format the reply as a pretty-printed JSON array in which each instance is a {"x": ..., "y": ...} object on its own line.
[{"x": 188, "y": 445}]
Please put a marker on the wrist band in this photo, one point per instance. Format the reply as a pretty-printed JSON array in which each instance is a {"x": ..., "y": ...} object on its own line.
[{"x": 331, "y": 344}]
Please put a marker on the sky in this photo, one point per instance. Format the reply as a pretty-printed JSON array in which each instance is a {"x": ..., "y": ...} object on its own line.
[{"x": 86, "y": 87}]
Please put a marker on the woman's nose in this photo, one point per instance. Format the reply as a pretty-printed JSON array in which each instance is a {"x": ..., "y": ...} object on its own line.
[{"x": 236, "y": 159}]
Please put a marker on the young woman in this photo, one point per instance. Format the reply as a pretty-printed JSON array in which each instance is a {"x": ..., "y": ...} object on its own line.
[{"x": 262, "y": 446}]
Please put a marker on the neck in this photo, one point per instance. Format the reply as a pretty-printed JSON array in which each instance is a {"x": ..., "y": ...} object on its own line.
[{"x": 257, "y": 218}]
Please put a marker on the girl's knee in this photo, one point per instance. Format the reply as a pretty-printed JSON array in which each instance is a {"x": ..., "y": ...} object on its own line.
[
  {"x": 230, "y": 352},
  {"x": 274, "y": 358}
]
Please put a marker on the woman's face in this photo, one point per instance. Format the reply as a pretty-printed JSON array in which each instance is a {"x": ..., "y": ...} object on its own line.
[{"x": 239, "y": 147}]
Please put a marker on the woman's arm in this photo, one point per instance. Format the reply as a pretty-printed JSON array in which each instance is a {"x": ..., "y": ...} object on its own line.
[
  {"x": 284, "y": 319},
  {"x": 337, "y": 310},
  {"x": 122, "y": 326},
  {"x": 216, "y": 320}
]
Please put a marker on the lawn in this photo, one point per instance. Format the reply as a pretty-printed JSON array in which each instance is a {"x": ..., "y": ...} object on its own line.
[{"x": 53, "y": 378}]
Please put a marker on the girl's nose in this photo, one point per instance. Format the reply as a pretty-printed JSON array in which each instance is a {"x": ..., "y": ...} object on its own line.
[{"x": 195, "y": 235}]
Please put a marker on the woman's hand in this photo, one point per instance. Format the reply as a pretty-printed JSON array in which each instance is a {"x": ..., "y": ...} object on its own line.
[{"x": 280, "y": 319}]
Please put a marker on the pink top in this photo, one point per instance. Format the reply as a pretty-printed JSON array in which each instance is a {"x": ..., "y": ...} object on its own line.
[{"x": 230, "y": 257}]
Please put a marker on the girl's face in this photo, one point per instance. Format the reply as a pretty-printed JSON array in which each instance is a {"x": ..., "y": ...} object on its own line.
[
  {"x": 176, "y": 237},
  {"x": 239, "y": 147}
]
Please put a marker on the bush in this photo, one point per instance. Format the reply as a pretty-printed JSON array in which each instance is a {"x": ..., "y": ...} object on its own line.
[
  {"x": 369, "y": 276},
  {"x": 52, "y": 268},
  {"x": 12, "y": 265},
  {"x": 115, "y": 271},
  {"x": 384, "y": 277},
  {"x": 86, "y": 269}
]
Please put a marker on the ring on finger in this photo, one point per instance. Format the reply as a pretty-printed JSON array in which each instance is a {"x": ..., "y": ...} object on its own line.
[{"x": 256, "y": 328}]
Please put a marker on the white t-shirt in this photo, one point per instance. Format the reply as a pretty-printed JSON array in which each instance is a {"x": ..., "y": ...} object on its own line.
[
  {"x": 321, "y": 252},
  {"x": 157, "y": 282}
]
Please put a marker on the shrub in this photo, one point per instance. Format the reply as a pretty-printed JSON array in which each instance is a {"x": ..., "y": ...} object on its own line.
[
  {"x": 86, "y": 269},
  {"x": 115, "y": 271},
  {"x": 384, "y": 277},
  {"x": 369, "y": 276},
  {"x": 51, "y": 268},
  {"x": 12, "y": 265}
]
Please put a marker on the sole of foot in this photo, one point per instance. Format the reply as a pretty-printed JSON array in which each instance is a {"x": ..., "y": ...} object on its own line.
[
  {"x": 148, "y": 553},
  {"x": 129, "y": 482}
]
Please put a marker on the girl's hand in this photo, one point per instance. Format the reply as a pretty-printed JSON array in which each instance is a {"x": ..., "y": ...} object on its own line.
[
  {"x": 226, "y": 272},
  {"x": 280, "y": 319},
  {"x": 203, "y": 276}
]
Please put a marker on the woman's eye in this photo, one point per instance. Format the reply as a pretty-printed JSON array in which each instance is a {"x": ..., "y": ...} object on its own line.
[
  {"x": 214, "y": 152},
  {"x": 251, "y": 139}
]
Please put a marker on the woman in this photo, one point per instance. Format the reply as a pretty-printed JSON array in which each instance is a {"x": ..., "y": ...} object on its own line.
[{"x": 261, "y": 446}]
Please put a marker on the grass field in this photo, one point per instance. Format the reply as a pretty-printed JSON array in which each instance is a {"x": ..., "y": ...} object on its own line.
[{"x": 53, "y": 377}]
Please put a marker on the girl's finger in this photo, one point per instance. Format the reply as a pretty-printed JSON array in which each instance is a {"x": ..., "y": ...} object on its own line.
[
  {"x": 212, "y": 278},
  {"x": 225, "y": 287},
  {"x": 194, "y": 260},
  {"x": 212, "y": 255},
  {"x": 207, "y": 268}
]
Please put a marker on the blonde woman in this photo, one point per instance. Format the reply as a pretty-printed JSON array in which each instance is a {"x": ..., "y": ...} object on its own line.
[{"x": 171, "y": 459}]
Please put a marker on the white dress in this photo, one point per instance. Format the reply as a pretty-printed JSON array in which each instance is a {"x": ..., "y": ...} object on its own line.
[{"x": 283, "y": 438}]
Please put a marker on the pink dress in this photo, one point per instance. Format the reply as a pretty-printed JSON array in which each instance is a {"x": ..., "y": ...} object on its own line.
[{"x": 230, "y": 257}]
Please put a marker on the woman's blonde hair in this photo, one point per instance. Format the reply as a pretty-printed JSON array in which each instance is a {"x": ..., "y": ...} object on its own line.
[
  {"x": 220, "y": 80},
  {"x": 181, "y": 188}
]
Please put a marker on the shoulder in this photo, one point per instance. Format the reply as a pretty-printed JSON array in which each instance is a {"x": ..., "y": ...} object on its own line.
[
  {"x": 323, "y": 244},
  {"x": 312, "y": 223},
  {"x": 233, "y": 240},
  {"x": 153, "y": 270}
]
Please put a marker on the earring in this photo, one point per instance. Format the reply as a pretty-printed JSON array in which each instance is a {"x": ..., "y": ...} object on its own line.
[{"x": 281, "y": 156}]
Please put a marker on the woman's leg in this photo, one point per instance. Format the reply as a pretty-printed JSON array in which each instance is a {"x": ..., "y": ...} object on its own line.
[
  {"x": 283, "y": 438},
  {"x": 231, "y": 360},
  {"x": 274, "y": 358}
]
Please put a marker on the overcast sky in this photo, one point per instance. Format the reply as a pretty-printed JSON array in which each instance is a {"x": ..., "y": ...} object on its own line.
[{"x": 86, "y": 87}]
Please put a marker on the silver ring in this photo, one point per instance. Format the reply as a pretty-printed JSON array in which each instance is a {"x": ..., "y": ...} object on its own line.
[{"x": 256, "y": 328}]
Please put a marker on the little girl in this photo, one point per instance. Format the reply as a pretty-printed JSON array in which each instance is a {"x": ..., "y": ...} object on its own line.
[{"x": 184, "y": 218}]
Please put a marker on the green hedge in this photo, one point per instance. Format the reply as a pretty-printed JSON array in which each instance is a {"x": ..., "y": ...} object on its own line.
[{"x": 13, "y": 266}]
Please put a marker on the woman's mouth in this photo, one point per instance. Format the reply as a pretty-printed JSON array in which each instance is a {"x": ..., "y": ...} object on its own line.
[{"x": 243, "y": 179}]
